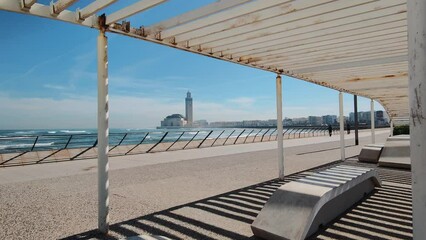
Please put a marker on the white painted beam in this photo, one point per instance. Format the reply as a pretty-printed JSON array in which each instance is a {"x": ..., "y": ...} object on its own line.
[
  {"x": 93, "y": 8},
  {"x": 342, "y": 127},
  {"x": 103, "y": 134},
  {"x": 280, "y": 127},
  {"x": 41, "y": 10},
  {"x": 60, "y": 5},
  {"x": 417, "y": 97},
  {"x": 133, "y": 9}
]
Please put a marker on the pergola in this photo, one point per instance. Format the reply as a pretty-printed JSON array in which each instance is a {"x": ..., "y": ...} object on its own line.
[{"x": 368, "y": 48}]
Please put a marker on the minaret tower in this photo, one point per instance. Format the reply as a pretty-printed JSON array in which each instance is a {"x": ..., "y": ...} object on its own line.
[{"x": 188, "y": 108}]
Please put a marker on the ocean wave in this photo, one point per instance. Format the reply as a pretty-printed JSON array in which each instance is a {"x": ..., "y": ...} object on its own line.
[
  {"x": 25, "y": 132},
  {"x": 73, "y": 131},
  {"x": 25, "y": 145},
  {"x": 52, "y": 132}
]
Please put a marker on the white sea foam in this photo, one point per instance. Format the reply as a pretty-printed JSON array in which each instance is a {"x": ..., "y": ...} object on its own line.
[
  {"x": 25, "y": 145},
  {"x": 24, "y": 132},
  {"x": 75, "y": 131},
  {"x": 51, "y": 132}
]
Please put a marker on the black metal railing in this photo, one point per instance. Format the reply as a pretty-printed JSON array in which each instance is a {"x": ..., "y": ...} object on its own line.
[
  {"x": 13, "y": 148},
  {"x": 20, "y": 144}
]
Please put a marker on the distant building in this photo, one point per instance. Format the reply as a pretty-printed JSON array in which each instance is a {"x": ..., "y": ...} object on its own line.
[
  {"x": 175, "y": 121},
  {"x": 188, "y": 109},
  {"x": 314, "y": 120},
  {"x": 329, "y": 119},
  {"x": 200, "y": 123},
  {"x": 302, "y": 121},
  {"x": 380, "y": 118}
]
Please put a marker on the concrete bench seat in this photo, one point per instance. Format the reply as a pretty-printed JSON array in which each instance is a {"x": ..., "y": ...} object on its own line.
[
  {"x": 297, "y": 209},
  {"x": 396, "y": 153},
  {"x": 370, "y": 153}
]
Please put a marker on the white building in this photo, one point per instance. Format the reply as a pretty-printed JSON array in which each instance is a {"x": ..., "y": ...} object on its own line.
[{"x": 173, "y": 121}]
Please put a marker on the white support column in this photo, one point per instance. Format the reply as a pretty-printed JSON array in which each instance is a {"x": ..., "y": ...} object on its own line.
[
  {"x": 280, "y": 128},
  {"x": 391, "y": 128},
  {"x": 417, "y": 95},
  {"x": 103, "y": 134},
  {"x": 342, "y": 127},
  {"x": 373, "y": 133}
]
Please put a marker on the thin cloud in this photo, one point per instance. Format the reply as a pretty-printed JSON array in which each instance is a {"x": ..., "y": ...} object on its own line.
[
  {"x": 243, "y": 101},
  {"x": 55, "y": 87}
]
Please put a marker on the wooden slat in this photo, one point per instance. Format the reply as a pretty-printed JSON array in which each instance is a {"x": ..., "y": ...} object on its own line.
[
  {"x": 128, "y": 11},
  {"x": 61, "y": 5},
  {"x": 280, "y": 27},
  {"x": 331, "y": 53},
  {"x": 193, "y": 15},
  {"x": 341, "y": 60},
  {"x": 401, "y": 58},
  {"x": 94, "y": 7},
  {"x": 221, "y": 16},
  {"x": 358, "y": 34},
  {"x": 288, "y": 11}
]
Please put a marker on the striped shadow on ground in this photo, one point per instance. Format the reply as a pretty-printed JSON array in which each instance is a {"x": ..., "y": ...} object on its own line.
[{"x": 384, "y": 214}]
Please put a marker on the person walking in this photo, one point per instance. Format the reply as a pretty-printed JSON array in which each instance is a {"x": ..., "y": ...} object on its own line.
[
  {"x": 348, "y": 128},
  {"x": 330, "y": 129}
]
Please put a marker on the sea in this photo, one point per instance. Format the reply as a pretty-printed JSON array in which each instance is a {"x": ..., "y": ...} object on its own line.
[{"x": 48, "y": 139}]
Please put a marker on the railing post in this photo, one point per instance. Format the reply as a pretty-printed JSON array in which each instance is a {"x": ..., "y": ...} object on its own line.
[
  {"x": 162, "y": 138},
  {"x": 280, "y": 148},
  {"x": 285, "y": 132},
  {"x": 119, "y": 143},
  {"x": 217, "y": 138},
  {"x": 248, "y": 136},
  {"x": 35, "y": 142},
  {"x": 417, "y": 98},
  {"x": 261, "y": 140},
  {"x": 190, "y": 140},
  {"x": 103, "y": 130},
  {"x": 205, "y": 139},
  {"x": 228, "y": 137},
  {"x": 68, "y": 142},
  {"x": 239, "y": 136},
  {"x": 270, "y": 135},
  {"x": 143, "y": 139},
  {"x": 175, "y": 141},
  {"x": 255, "y": 136}
]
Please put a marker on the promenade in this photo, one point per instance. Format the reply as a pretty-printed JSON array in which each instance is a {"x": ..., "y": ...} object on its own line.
[{"x": 181, "y": 194}]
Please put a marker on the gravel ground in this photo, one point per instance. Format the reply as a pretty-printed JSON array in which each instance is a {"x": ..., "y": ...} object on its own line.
[{"x": 66, "y": 206}]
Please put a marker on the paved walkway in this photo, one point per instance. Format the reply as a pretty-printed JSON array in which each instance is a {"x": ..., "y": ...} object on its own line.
[{"x": 51, "y": 201}]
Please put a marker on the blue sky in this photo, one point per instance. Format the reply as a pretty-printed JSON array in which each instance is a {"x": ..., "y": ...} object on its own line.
[{"x": 48, "y": 79}]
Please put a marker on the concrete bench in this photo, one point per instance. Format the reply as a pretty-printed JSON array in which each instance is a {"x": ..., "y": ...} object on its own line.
[
  {"x": 396, "y": 152},
  {"x": 297, "y": 209},
  {"x": 370, "y": 153}
]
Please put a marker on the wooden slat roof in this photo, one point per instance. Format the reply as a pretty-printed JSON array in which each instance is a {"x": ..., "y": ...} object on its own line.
[{"x": 355, "y": 46}]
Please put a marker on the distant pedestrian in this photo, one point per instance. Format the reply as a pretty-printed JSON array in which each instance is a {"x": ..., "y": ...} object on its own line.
[
  {"x": 348, "y": 127},
  {"x": 330, "y": 129}
]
